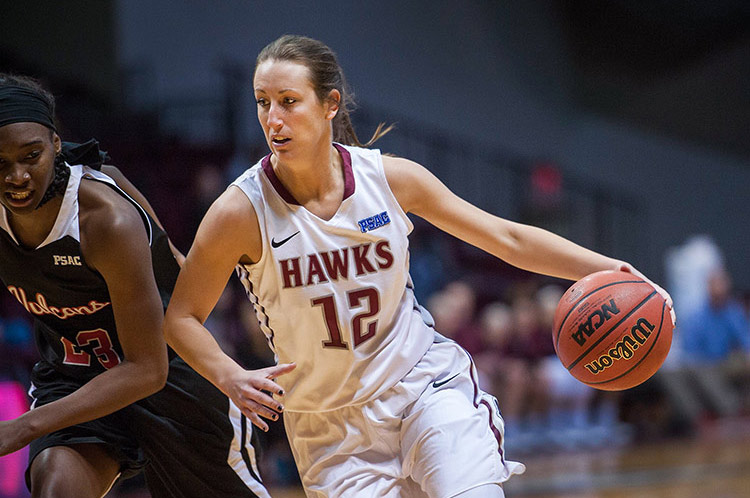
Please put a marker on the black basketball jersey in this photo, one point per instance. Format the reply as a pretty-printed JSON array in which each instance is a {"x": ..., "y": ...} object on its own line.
[{"x": 74, "y": 324}]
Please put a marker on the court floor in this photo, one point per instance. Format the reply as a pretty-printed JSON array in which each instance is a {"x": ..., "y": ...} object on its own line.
[
  {"x": 713, "y": 464},
  {"x": 716, "y": 464}
]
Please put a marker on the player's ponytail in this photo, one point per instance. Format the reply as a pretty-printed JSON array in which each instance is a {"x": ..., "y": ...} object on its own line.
[{"x": 325, "y": 75}]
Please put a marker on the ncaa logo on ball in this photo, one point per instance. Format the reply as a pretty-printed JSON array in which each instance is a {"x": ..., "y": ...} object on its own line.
[{"x": 594, "y": 321}]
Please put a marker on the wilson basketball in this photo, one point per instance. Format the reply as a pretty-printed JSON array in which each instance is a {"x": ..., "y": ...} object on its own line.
[{"x": 612, "y": 330}]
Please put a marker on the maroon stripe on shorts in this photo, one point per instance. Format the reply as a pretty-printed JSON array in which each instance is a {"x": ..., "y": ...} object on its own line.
[{"x": 495, "y": 430}]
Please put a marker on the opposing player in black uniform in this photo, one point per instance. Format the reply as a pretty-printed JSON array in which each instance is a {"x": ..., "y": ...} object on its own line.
[{"x": 89, "y": 262}]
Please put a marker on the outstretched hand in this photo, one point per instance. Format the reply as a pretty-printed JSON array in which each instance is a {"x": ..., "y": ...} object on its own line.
[
  {"x": 663, "y": 293},
  {"x": 246, "y": 388}
]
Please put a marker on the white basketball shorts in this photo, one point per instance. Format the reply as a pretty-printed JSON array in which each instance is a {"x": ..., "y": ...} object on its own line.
[{"x": 435, "y": 434}]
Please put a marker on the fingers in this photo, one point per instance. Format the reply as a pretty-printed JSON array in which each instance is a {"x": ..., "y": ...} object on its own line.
[
  {"x": 253, "y": 400},
  {"x": 254, "y": 410},
  {"x": 263, "y": 384},
  {"x": 255, "y": 395},
  {"x": 276, "y": 370},
  {"x": 255, "y": 419},
  {"x": 660, "y": 290},
  {"x": 272, "y": 373},
  {"x": 283, "y": 368},
  {"x": 262, "y": 410}
]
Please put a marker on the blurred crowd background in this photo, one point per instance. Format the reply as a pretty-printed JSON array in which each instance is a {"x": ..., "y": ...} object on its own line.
[{"x": 624, "y": 126}]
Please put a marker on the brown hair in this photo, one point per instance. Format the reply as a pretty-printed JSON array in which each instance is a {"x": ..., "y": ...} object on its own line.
[{"x": 325, "y": 75}]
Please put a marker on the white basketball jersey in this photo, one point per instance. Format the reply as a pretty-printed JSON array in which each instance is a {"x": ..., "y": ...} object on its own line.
[{"x": 334, "y": 296}]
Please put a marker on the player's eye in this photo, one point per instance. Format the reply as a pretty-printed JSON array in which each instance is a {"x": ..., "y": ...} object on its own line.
[
  {"x": 289, "y": 100},
  {"x": 261, "y": 102}
]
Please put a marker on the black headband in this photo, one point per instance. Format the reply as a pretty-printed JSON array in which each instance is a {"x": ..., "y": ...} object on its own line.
[{"x": 21, "y": 105}]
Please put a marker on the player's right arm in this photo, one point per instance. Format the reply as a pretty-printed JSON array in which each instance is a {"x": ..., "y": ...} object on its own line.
[{"x": 228, "y": 234}]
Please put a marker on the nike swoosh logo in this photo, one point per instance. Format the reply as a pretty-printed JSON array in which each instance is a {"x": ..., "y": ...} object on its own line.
[
  {"x": 280, "y": 243},
  {"x": 437, "y": 384}
]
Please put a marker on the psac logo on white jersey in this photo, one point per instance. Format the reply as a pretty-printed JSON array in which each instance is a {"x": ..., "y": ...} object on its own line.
[
  {"x": 65, "y": 260},
  {"x": 373, "y": 222}
]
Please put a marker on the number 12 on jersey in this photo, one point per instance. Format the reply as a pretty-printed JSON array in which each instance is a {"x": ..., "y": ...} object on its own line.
[{"x": 367, "y": 298}]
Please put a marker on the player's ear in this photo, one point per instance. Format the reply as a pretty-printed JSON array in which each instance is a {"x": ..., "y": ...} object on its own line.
[
  {"x": 333, "y": 102},
  {"x": 57, "y": 142}
]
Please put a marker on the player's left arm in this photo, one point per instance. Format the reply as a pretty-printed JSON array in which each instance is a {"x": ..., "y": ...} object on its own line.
[
  {"x": 531, "y": 248},
  {"x": 419, "y": 192},
  {"x": 126, "y": 185},
  {"x": 115, "y": 243}
]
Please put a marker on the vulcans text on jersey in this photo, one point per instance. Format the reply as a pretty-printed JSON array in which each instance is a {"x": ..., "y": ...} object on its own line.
[{"x": 40, "y": 306}]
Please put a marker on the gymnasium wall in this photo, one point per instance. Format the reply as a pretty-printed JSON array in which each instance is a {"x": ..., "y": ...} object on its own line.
[
  {"x": 70, "y": 41},
  {"x": 499, "y": 75},
  {"x": 650, "y": 104}
]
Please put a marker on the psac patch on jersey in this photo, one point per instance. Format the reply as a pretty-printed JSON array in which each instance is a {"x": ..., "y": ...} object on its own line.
[{"x": 373, "y": 222}]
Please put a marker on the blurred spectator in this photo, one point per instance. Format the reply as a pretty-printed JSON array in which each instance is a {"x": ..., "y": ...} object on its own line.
[
  {"x": 502, "y": 370},
  {"x": 579, "y": 415},
  {"x": 716, "y": 361},
  {"x": 570, "y": 400},
  {"x": 719, "y": 329},
  {"x": 688, "y": 267},
  {"x": 535, "y": 343},
  {"x": 513, "y": 344},
  {"x": 453, "y": 309}
]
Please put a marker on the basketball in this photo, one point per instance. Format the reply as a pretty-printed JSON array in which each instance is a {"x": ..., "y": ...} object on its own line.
[{"x": 612, "y": 330}]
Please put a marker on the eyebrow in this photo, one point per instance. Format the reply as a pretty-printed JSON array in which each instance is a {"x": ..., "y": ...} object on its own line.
[
  {"x": 38, "y": 141},
  {"x": 280, "y": 91},
  {"x": 33, "y": 142}
]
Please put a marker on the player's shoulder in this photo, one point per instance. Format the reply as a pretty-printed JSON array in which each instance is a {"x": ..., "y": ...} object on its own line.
[
  {"x": 105, "y": 213},
  {"x": 232, "y": 208},
  {"x": 397, "y": 163},
  {"x": 230, "y": 226},
  {"x": 401, "y": 171}
]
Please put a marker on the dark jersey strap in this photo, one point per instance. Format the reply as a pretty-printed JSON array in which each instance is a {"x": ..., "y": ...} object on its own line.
[{"x": 87, "y": 153}]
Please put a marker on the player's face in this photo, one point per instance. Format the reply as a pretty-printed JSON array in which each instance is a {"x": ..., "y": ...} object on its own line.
[
  {"x": 27, "y": 157},
  {"x": 289, "y": 111}
]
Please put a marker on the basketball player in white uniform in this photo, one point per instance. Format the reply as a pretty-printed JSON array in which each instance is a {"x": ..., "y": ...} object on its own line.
[{"x": 378, "y": 404}]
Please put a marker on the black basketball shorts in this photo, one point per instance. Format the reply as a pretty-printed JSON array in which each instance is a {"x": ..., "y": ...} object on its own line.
[{"x": 189, "y": 439}]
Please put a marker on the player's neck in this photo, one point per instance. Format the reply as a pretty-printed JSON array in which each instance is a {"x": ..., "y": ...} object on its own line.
[{"x": 314, "y": 177}]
